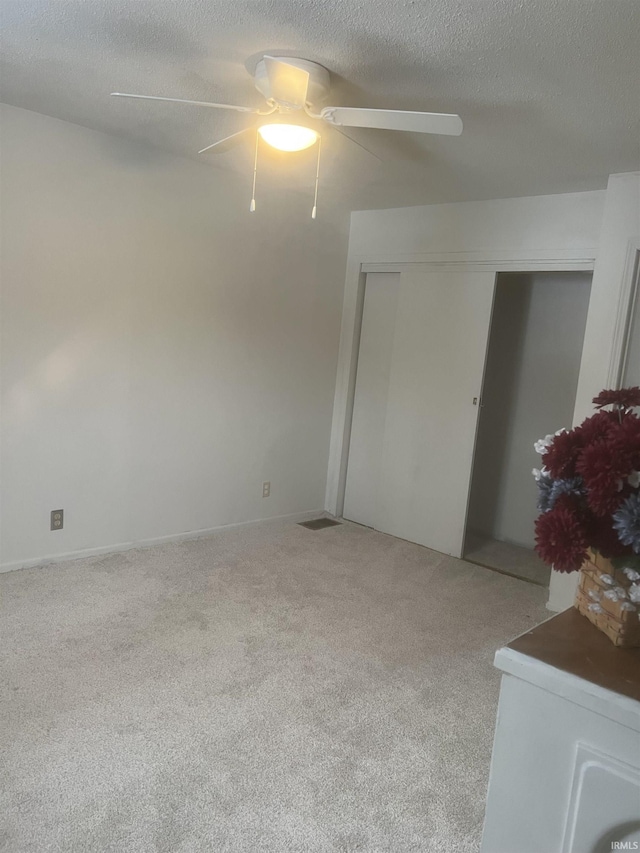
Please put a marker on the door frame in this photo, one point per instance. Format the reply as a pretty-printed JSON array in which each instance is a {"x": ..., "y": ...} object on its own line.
[
  {"x": 357, "y": 269},
  {"x": 629, "y": 296}
]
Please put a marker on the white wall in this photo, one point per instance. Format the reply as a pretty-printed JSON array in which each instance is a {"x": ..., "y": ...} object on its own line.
[
  {"x": 163, "y": 351},
  {"x": 618, "y": 246},
  {"x": 547, "y": 222},
  {"x": 531, "y": 376}
]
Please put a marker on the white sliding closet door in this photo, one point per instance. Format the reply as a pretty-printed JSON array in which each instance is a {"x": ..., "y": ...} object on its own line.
[
  {"x": 440, "y": 344},
  {"x": 433, "y": 345}
]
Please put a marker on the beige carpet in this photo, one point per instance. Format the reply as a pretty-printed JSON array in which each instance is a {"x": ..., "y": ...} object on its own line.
[{"x": 265, "y": 689}]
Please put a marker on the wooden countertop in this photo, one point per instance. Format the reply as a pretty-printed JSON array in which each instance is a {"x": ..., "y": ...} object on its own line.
[{"x": 571, "y": 643}]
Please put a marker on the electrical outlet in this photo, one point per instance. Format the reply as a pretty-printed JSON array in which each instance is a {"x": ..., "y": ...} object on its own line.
[
  {"x": 266, "y": 489},
  {"x": 57, "y": 519}
]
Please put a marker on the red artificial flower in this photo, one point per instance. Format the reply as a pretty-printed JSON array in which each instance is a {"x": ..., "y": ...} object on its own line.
[
  {"x": 604, "y": 467},
  {"x": 627, "y": 434},
  {"x": 561, "y": 540},
  {"x": 604, "y": 538},
  {"x": 602, "y": 458},
  {"x": 598, "y": 426},
  {"x": 562, "y": 454},
  {"x": 624, "y": 398},
  {"x": 625, "y": 445}
]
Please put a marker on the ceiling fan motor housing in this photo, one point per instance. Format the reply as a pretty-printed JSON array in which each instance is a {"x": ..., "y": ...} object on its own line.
[{"x": 319, "y": 79}]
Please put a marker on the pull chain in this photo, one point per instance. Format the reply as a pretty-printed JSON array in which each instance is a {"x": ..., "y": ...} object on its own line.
[
  {"x": 315, "y": 195},
  {"x": 252, "y": 206}
]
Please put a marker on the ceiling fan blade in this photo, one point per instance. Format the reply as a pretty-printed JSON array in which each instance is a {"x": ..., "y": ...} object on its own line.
[
  {"x": 406, "y": 120},
  {"x": 223, "y": 145},
  {"x": 288, "y": 84},
  {"x": 182, "y": 101}
]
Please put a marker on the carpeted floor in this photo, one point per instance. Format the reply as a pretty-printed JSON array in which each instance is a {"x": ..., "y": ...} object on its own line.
[{"x": 266, "y": 689}]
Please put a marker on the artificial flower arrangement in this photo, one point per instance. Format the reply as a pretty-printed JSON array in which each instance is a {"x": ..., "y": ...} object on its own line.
[
  {"x": 589, "y": 500},
  {"x": 589, "y": 486}
]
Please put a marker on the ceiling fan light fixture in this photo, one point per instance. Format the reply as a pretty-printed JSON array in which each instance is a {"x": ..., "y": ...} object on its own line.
[{"x": 288, "y": 137}]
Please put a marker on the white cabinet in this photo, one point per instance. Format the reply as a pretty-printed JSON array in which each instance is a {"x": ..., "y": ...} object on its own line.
[{"x": 565, "y": 772}]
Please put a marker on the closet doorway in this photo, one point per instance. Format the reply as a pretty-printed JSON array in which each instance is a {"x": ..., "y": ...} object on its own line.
[
  {"x": 529, "y": 390},
  {"x": 458, "y": 374}
]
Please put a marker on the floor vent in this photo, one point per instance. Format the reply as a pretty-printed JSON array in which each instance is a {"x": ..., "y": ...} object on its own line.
[{"x": 318, "y": 523}]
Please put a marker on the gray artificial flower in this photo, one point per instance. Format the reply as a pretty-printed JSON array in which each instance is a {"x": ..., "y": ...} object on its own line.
[
  {"x": 545, "y": 484},
  {"x": 569, "y": 486},
  {"x": 549, "y": 490},
  {"x": 626, "y": 522}
]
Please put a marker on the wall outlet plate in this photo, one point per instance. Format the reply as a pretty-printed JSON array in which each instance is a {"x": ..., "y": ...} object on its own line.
[
  {"x": 266, "y": 489},
  {"x": 57, "y": 519}
]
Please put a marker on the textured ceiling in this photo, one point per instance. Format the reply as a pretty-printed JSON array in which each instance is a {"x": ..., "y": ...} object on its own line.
[{"x": 549, "y": 90}]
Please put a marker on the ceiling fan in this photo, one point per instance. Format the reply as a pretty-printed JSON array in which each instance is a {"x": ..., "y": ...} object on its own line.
[{"x": 292, "y": 87}]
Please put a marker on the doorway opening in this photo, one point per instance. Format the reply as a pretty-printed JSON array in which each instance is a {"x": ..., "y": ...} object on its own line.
[{"x": 529, "y": 391}]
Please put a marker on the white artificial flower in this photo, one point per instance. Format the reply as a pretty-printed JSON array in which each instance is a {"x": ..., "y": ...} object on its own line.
[
  {"x": 634, "y": 479},
  {"x": 542, "y": 444},
  {"x": 595, "y": 608},
  {"x": 607, "y": 579},
  {"x": 631, "y": 574},
  {"x": 626, "y": 605},
  {"x": 634, "y": 593},
  {"x": 537, "y": 473}
]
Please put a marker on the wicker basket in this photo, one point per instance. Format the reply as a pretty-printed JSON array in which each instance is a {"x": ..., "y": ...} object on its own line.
[{"x": 620, "y": 623}]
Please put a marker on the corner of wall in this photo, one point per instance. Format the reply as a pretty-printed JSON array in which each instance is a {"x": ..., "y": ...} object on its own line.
[{"x": 610, "y": 301}]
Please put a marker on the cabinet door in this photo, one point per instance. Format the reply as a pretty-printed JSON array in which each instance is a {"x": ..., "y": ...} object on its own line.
[{"x": 430, "y": 364}]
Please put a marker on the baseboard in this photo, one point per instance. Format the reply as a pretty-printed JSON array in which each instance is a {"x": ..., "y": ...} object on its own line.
[{"x": 159, "y": 540}]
